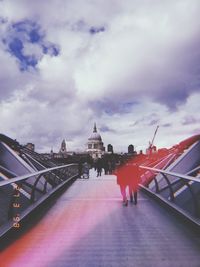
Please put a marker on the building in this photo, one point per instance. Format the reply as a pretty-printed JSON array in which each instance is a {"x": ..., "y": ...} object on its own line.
[
  {"x": 95, "y": 146},
  {"x": 110, "y": 148},
  {"x": 30, "y": 146},
  {"x": 130, "y": 149},
  {"x": 63, "y": 153},
  {"x": 63, "y": 148}
]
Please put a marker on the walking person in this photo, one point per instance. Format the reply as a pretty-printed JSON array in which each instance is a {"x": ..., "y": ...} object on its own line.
[
  {"x": 99, "y": 167},
  {"x": 128, "y": 176},
  {"x": 80, "y": 169},
  {"x": 112, "y": 166},
  {"x": 134, "y": 180},
  {"x": 122, "y": 181},
  {"x": 105, "y": 166},
  {"x": 109, "y": 167},
  {"x": 86, "y": 170}
]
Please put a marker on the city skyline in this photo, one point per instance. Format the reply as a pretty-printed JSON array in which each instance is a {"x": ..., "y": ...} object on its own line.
[{"x": 128, "y": 66}]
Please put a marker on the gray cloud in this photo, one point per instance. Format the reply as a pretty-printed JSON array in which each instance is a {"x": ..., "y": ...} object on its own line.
[
  {"x": 124, "y": 62},
  {"x": 189, "y": 120},
  {"x": 154, "y": 122},
  {"x": 148, "y": 120},
  {"x": 166, "y": 125},
  {"x": 105, "y": 128}
]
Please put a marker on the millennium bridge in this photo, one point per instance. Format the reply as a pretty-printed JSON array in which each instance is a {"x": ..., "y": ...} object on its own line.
[{"x": 51, "y": 217}]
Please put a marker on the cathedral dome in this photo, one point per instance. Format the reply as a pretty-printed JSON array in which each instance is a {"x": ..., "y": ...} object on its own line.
[
  {"x": 95, "y": 145},
  {"x": 95, "y": 136}
]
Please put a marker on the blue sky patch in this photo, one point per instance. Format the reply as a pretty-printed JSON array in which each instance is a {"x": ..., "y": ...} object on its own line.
[
  {"x": 29, "y": 29},
  {"x": 51, "y": 49},
  {"x": 23, "y": 33},
  {"x": 24, "y": 26},
  {"x": 15, "y": 48},
  {"x": 34, "y": 36},
  {"x": 95, "y": 30}
]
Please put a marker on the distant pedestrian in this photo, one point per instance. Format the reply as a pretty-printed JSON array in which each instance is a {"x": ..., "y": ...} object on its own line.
[
  {"x": 109, "y": 167},
  {"x": 105, "y": 166},
  {"x": 95, "y": 165},
  {"x": 99, "y": 167},
  {"x": 86, "y": 170},
  {"x": 112, "y": 166},
  {"x": 80, "y": 169}
]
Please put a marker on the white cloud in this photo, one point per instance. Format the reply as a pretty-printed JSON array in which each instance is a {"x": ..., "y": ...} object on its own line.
[{"x": 148, "y": 57}]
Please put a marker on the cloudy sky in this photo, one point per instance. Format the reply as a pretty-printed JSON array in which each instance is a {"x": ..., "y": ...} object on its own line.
[{"x": 127, "y": 65}]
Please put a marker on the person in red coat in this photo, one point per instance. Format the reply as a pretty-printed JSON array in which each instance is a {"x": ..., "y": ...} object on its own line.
[
  {"x": 128, "y": 176},
  {"x": 134, "y": 182}
]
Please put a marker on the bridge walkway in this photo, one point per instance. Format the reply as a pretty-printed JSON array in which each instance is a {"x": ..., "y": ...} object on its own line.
[{"x": 88, "y": 227}]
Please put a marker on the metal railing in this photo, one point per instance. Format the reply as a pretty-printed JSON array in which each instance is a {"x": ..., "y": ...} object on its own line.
[
  {"x": 177, "y": 189},
  {"x": 23, "y": 194},
  {"x": 24, "y": 177}
]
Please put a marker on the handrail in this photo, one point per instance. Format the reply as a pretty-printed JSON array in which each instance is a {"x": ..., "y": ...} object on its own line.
[
  {"x": 194, "y": 170},
  {"x": 171, "y": 197},
  {"x": 183, "y": 176},
  {"x": 26, "y": 176}
]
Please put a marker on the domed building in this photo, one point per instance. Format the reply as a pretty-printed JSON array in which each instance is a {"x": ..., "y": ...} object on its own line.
[{"x": 95, "y": 145}]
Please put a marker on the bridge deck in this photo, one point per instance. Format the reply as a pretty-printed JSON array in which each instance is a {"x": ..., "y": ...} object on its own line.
[{"x": 87, "y": 226}]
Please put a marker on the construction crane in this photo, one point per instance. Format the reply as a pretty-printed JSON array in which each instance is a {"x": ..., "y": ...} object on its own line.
[{"x": 151, "y": 142}]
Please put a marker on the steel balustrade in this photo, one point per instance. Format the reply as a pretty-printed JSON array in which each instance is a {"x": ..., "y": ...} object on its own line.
[
  {"x": 46, "y": 182},
  {"x": 182, "y": 180},
  {"x": 24, "y": 177},
  {"x": 178, "y": 175}
]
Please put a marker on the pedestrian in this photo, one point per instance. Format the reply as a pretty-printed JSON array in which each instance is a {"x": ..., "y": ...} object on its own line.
[
  {"x": 134, "y": 179},
  {"x": 95, "y": 165},
  {"x": 86, "y": 170},
  {"x": 112, "y": 166},
  {"x": 128, "y": 176},
  {"x": 80, "y": 169},
  {"x": 105, "y": 166},
  {"x": 99, "y": 167},
  {"x": 109, "y": 167}
]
